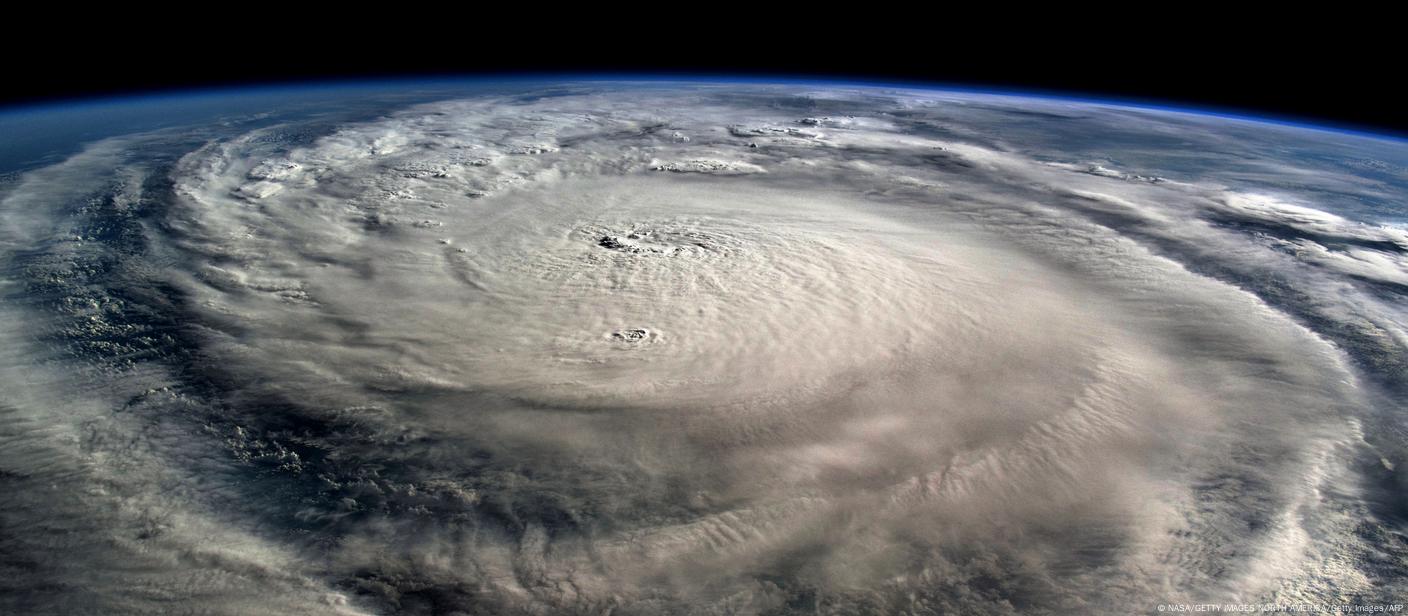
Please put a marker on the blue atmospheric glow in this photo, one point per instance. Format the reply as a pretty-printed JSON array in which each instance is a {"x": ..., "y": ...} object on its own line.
[{"x": 216, "y": 94}]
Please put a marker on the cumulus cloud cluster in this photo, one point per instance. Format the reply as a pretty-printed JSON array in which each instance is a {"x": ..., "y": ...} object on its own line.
[{"x": 707, "y": 349}]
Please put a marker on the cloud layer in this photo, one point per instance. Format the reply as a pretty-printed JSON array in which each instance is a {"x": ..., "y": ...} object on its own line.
[{"x": 708, "y": 349}]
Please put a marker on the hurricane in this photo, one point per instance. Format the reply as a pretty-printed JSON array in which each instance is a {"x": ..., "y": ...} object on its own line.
[{"x": 703, "y": 348}]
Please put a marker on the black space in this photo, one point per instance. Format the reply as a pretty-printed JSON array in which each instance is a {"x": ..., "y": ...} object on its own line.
[{"x": 1341, "y": 74}]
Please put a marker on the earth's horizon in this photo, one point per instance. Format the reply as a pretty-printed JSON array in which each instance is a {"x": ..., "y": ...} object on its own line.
[{"x": 701, "y": 347}]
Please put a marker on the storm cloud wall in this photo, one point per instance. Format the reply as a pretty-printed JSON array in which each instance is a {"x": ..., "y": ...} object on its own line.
[{"x": 706, "y": 349}]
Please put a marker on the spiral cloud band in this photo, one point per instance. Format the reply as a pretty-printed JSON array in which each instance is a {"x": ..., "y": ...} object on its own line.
[{"x": 715, "y": 349}]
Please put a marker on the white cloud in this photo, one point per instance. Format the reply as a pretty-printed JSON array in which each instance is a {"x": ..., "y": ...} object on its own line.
[{"x": 891, "y": 370}]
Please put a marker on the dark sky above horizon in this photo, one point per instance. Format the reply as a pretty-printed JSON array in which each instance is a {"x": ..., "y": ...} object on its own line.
[{"x": 1350, "y": 83}]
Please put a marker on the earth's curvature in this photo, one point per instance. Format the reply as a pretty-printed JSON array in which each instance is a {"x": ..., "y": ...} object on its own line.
[{"x": 696, "y": 348}]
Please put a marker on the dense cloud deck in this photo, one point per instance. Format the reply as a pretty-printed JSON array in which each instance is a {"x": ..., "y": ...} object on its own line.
[{"x": 643, "y": 349}]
